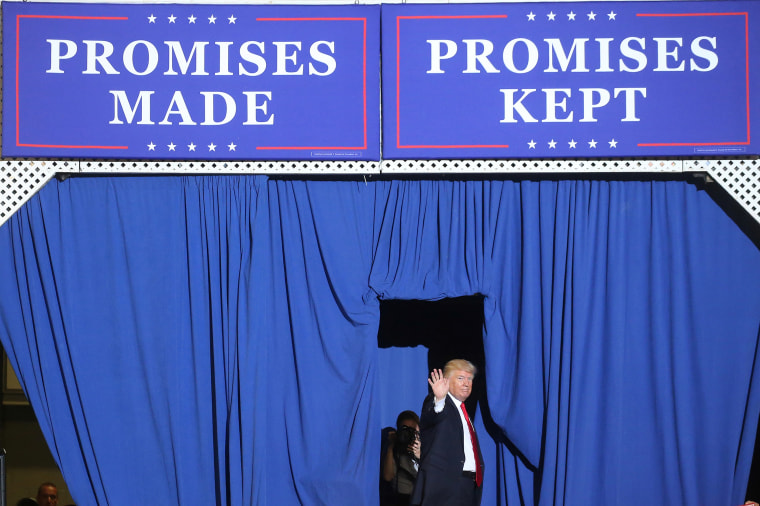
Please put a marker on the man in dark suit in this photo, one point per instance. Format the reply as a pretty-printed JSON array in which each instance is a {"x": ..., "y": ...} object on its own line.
[{"x": 451, "y": 467}]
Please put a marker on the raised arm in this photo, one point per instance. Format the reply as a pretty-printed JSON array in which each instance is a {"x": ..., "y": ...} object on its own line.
[{"x": 439, "y": 384}]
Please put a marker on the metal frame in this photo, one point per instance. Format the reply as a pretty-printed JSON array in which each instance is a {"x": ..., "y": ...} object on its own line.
[
  {"x": 740, "y": 178},
  {"x": 21, "y": 179}
]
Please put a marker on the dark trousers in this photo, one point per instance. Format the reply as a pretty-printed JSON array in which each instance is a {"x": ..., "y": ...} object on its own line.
[{"x": 467, "y": 494}]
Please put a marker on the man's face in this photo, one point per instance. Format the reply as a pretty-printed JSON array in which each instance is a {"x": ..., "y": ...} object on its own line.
[
  {"x": 47, "y": 496},
  {"x": 460, "y": 385}
]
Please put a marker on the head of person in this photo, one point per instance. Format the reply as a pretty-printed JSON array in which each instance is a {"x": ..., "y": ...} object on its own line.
[
  {"x": 47, "y": 494},
  {"x": 407, "y": 431},
  {"x": 460, "y": 374},
  {"x": 408, "y": 419}
]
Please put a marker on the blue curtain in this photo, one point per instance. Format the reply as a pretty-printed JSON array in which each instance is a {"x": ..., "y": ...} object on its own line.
[{"x": 213, "y": 340}]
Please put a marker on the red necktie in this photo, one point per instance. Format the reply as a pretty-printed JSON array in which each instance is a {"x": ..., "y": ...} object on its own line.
[{"x": 474, "y": 440}]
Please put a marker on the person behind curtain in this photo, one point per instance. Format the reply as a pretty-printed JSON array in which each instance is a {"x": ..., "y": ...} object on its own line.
[
  {"x": 47, "y": 494},
  {"x": 451, "y": 467},
  {"x": 401, "y": 460}
]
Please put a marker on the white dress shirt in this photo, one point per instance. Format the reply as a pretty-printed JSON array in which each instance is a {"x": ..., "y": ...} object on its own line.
[{"x": 469, "y": 451}]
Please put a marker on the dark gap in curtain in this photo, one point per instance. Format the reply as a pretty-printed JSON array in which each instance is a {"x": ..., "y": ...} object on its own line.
[
  {"x": 449, "y": 328},
  {"x": 445, "y": 329}
]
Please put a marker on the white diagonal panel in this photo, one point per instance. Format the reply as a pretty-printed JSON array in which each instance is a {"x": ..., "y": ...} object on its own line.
[
  {"x": 21, "y": 179},
  {"x": 740, "y": 178}
]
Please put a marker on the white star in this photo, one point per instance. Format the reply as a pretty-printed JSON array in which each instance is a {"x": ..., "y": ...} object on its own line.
[
  {"x": 572, "y": 143},
  {"x": 232, "y": 19},
  {"x": 611, "y": 15},
  {"x": 191, "y": 146},
  {"x": 171, "y": 146},
  {"x": 212, "y": 147},
  {"x": 552, "y": 144},
  {"x": 172, "y": 18},
  {"x": 591, "y": 16},
  {"x": 151, "y": 19},
  {"x": 592, "y": 143},
  {"x": 551, "y": 16},
  {"x": 151, "y": 146},
  {"x": 192, "y": 19},
  {"x": 571, "y": 16},
  {"x": 212, "y": 20},
  {"x": 532, "y": 144},
  {"x": 232, "y": 146},
  {"x": 613, "y": 143},
  {"x": 531, "y": 16}
]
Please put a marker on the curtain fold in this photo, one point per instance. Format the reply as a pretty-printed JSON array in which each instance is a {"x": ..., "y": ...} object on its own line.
[
  {"x": 609, "y": 330},
  {"x": 322, "y": 336},
  {"x": 213, "y": 340}
]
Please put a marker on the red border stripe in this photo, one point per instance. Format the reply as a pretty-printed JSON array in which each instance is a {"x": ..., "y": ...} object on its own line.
[
  {"x": 364, "y": 84},
  {"x": 398, "y": 84},
  {"x": 18, "y": 60},
  {"x": 746, "y": 70}
]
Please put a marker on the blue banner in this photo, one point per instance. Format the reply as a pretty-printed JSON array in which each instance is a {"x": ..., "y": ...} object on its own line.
[
  {"x": 586, "y": 79},
  {"x": 191, "y": 81}
]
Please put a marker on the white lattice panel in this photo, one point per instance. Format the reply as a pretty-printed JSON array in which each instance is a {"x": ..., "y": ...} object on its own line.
[
  {"x": 347, "y": 167},
  {"x": 392, "y": 167},
  {"x": 389, "y": 167},
  {"x": 739, "y": 178},
  {"x": 19, "y": 180}
]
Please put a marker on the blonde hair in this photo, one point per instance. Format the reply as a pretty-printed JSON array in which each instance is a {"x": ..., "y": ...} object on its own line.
[{"x": 459, "y": 364}]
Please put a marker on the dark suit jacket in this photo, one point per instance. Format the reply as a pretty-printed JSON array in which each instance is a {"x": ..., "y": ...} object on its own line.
[{"x": 442, "y": 456}]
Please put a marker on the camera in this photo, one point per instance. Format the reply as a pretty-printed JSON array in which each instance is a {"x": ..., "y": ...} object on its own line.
[{"x": 405, "y": 437}]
